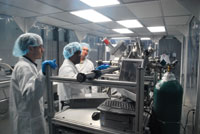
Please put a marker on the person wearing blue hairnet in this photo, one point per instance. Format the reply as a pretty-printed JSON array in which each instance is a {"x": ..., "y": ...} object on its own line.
[
  {"x": 27, "y": 86},
  {"x": 85, "y": 65},
  {"x": 72, "y": 55}
]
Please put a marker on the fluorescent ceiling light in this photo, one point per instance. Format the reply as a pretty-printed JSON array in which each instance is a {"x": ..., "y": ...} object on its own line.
[
  {"x": 98, "y": 3},
  {"x": 130, "y": 23},
  {"x": 145, "y": 38},
  {"x": 91, "y": 15},
  {"x": 122, "y": 30},
  {"x": 156, "y": 29},
  {"x": 120, "y": 38}
]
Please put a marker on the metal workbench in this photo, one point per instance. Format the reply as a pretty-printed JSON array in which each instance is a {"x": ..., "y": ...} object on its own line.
[
  {"x": 4, "y": 96},
  {"x": 80, "y": 119}
]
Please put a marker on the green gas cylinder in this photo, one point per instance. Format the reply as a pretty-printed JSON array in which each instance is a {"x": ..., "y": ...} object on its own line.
[{"x": 167, "y": 104}]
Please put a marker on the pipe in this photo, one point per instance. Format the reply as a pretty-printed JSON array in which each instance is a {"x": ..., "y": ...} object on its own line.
[
  {"x": 117, "y": 84},
  {"x": 81, "y": 77}
]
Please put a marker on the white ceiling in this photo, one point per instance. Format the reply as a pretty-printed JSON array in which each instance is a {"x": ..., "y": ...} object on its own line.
[{"x": 168, "y": 13}]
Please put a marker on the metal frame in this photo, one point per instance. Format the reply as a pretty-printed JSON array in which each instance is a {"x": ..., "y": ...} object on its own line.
[
  {"x": 120, "y": 84},
  {"x": 198, "y": 99},
  {"x": 4, "y": 84}
]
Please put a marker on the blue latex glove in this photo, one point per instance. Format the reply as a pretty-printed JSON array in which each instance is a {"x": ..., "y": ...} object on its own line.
[
  {"x": 101, "y": 67},
  {"x": 52, "y": 64}
]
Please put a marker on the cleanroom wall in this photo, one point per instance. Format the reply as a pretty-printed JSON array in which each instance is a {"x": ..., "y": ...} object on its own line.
[
  {"x": 192, "y": 92},
  {"x": 9, "y": 31},
  {"x": 190, "y": 100},
  {"x": 171, "y": 46}
]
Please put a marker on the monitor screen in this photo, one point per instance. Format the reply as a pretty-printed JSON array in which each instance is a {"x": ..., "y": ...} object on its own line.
[{"x": 128, "y": 70}]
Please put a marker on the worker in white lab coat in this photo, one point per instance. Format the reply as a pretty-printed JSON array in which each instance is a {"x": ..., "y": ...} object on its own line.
[
  {"x": 27, "y": 86},
  {"x": 86, "y": 66},
  {"x": 72, "y": 54}
]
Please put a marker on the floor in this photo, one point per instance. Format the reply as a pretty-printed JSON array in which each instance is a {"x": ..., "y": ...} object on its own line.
[{"x": 4, "y": 125}]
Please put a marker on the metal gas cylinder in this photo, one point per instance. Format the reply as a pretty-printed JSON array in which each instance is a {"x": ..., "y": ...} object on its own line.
[{"x": 167, "y": 104}]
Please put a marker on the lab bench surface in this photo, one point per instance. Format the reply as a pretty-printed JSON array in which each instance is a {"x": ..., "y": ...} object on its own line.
[{"x": 80, "y": 119}]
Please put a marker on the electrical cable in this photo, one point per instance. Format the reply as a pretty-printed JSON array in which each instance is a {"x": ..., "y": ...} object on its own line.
[
  {"x": 7, "y": 66},
  {"x": 184, "y": 132},
  {"x": 193, "y": 116}
]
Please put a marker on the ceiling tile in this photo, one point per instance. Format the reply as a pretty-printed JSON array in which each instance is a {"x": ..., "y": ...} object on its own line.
[
  {"x": 142, "y": 31},
  {"x": 178, "y": 20},
  {"x": 13, "y": 11},
  {"x": 152, "y": 21},
  {"x": 97, "y": 33},
  {"x": 172, "y": 8},
  {"x": 77, "y": 28},
  {"x": 160, "y": 34},
  {"x": 145, "y": 34},
  {"x": 111, "y": 25},
  {"x": 145, "y": 9},
  {"x": 69, "y": 18},
  {"x": 32, "y": 5},
  {"x": 116, "y": 35},
  {"x": 132, "y": 1},
  {"x": 109, "y": 31},
  {"x": 172, "y": 29},
  {"x": 56, "y": 12},
  {"x": 67, "y": 5},
  {"x": 93, "y": 26},
  {"x": 122, "y": 35},
  {"x": 52, "y": 21},
  {"x": 118, "y": 12},
  {"x": 174, "y": 33}
]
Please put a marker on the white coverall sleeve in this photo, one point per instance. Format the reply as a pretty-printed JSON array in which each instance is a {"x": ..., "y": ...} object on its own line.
[
  {"x": 31, "y": 85},
  {"x": 69, "y": 73}
]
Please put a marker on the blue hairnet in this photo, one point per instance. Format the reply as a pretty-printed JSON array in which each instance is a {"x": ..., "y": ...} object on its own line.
[
  {"x": 70, "y": 49},
  {"x": 85, "y": 45},
  {"x": 24, "y": 41}
]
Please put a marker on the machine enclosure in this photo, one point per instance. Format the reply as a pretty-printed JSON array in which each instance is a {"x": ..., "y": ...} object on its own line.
[
  {"x": 167, "y": 106},
  {"x": 117, "y": 121}
]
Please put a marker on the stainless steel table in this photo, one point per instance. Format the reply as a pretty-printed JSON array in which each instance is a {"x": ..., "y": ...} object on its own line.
[{"x": 80, "y": 119}]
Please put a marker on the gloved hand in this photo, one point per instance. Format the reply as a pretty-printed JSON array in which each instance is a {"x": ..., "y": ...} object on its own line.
[
  {"x": 101, "y": 67},
  {"x": 52, "y": 64}
]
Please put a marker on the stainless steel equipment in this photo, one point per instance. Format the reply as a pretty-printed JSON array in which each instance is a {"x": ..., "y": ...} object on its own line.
[{"x": 56, "y": 120}]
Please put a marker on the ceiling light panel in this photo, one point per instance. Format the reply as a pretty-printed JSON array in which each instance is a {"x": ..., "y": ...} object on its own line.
[
  {"x": 99, "y": 3},
  {"x": 142, "y": 32},
  {"x": 111, "y": 25},
  {"x": 68, "y": 17},
  {"x": 149, "y": 22},
  {"x": 122, "y": 30},
  {"x": 156, "y": 29},
  {"x": 120, "y": 38},
  {"x": 132, "y": 1},
  {"x": 67, "y": 5},
  {"x": 91, "y": 15},
  {"x": 145, "y": 38},
  {"x": 130, "y": 23}
]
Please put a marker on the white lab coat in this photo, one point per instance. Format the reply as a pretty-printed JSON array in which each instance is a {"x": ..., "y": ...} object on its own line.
[
  {"x": 67, "y": 90},
  {"x": 26, "y": 101},
  {"x": 86, "y": 67}
]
